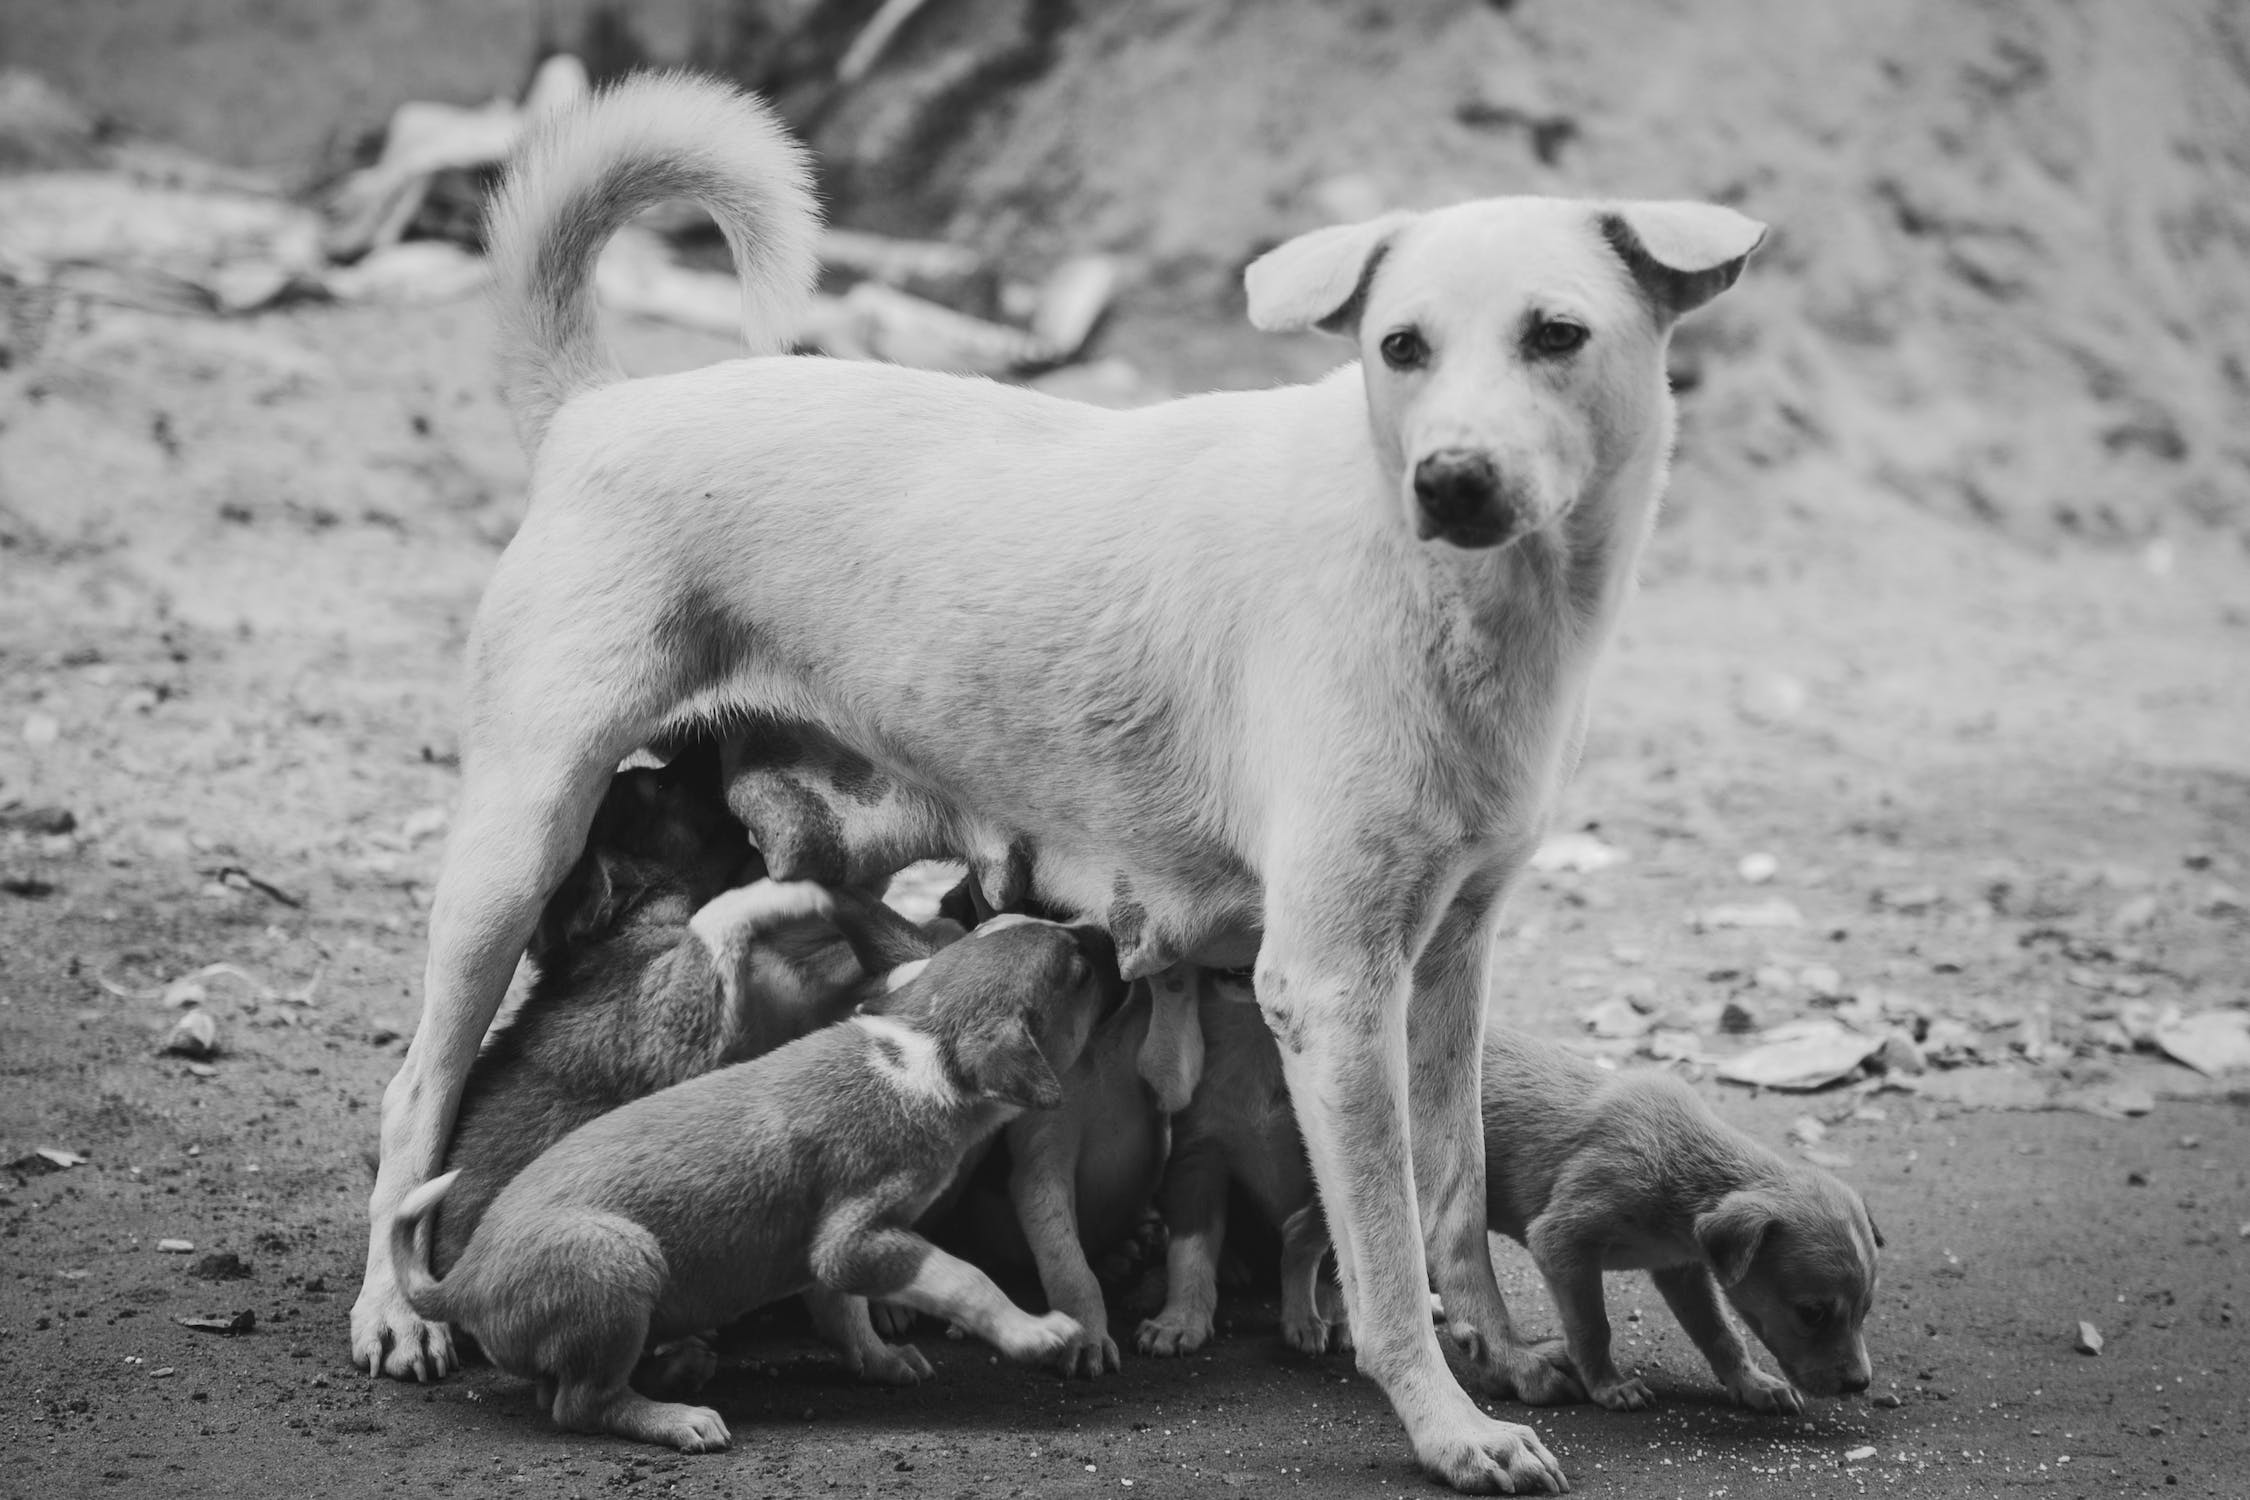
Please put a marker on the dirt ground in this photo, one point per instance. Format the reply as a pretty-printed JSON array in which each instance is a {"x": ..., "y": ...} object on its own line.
[{"x": 237, "y": 562}]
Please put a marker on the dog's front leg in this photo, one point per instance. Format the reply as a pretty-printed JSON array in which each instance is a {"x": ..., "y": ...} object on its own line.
[
  {"x": 1334, "y": 991},
  {"x": 1573, "y": 1272},
  {"x": 1694, "y": 1300},
  {"x": 522, "y": 821},
  {"x": 1193, "y": 1202},
  {"x": 1043, "y": 1184},
  {"x": 1452, "y": 982}
]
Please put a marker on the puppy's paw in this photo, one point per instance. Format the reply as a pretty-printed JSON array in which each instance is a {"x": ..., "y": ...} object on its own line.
[
  {"x": 691, "y": 1429},
  {"x": 894, "y": 1364},
  {"x": 1754, "y": 1388},
  {"x": 391, "y": 1338},
  {"x": 893, "y": 1320},
  {"x": 1479, "y": 1455},
  {"x": 1538, "y": 1374},
  {"x": 1091, "y": 1352},
  {"x": 1037, "y": 1340},
  {"x": 1172, "y": 1332},
  {"x": 1310, "y": 1333},
  {"x": 1624, "y": 1395}
]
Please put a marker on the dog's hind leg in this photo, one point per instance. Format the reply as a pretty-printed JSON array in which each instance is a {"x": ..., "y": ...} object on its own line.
[
  {"x": 1452, "y": 981},
  {"x": 1334, "y": 985},
  {"x": 560, "y": 691}
]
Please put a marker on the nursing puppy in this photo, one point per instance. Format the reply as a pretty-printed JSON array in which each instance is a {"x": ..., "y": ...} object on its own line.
[
  {"x": 963, "y": 609},
  {"x": 1239, "y": 1130},
  {"x": 800, "y": 1169}
]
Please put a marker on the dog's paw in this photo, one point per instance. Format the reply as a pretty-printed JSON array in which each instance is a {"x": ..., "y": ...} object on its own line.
[
  {"x": 893, "y": 1320},
  {"x": 391, "y": 1338},
  {"x": 1754, "y": 1388},
  {"x": 1173, "y": 1332},
  {"x": 691, "y": 1429},
  {"x": 1624, "y": 1395},
  {"x": 1480, "y": 1455},
  {"x": 1091, "y": 1352},
  {"x": 894, "y": 1364},
  {"x": 1310, "y": 1333},
  {"x": 1037, "y": 1340}
]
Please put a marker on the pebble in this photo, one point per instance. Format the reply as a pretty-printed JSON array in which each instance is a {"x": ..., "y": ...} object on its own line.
[
  {"x": 1887, "y": 1400},
  {"x": 176, "y": 1247},
  {"x": 1859, "y": 1455},
  {"x": 195, "y": 1034},
  {"x": 1757, "y": 869},
  {"x": 2089, "y": 1338},
  {"x": 41, "y": 730},
  {"x": 1901, "y": 1054}
]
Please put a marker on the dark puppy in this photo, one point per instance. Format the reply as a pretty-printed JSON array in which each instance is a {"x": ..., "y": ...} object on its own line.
[
  {"x": 805, "y": 1167},
  {"x": 652, "y": 970}
]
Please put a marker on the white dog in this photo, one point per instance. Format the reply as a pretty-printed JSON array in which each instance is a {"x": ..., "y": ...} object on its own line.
[{"x": 1294, "y": 674}]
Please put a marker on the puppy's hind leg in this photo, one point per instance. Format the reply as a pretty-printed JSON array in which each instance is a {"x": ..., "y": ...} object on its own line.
[
  {"x": 560, "y": 691},
  {"x": 843, "y": 1323},
  {"x": 587, "y": 1293}
]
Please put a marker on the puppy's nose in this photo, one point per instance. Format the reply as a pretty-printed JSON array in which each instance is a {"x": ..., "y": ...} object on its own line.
[
  {"x": 1854, "y": 1381},
  {"x": 1459, "y": 490}
]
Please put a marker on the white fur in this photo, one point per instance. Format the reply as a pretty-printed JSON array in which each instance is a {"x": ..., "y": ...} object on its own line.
[
  {"x": 904, "y": 975},
  {"x": 917, "y": 1070},
  {"x": 1203, "y": 660}
]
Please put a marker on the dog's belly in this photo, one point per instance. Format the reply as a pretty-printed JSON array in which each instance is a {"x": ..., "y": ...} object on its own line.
[{"x": 820, "y": 808}]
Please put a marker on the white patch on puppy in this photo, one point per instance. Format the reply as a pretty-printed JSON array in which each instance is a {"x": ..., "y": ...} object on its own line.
[{"x": 908, "y": 1058}]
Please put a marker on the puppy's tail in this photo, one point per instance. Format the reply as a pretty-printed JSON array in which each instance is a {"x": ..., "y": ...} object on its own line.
[
  {"x": 588, "y": 169},
  {"x": 410, "y": 1263}
]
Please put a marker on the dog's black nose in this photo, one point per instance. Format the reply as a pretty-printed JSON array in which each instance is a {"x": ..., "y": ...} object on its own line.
[{"x": 1459, "y": 490}]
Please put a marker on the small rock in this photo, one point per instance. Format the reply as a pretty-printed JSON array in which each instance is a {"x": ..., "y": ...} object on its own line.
[
  {"x": 223, "y": 1266},
  {"x": 176, "y": 1247},
  {"x": 43, "y": 821},
  {"x": 1771, "y": 698},
  {"x": 56, "y": 1157},
  {"x": 1736, "y": 1019},
  {"x": 41, "y": 730},
  {"x": 382, "y": 1036},
  {"x": 2136, "y": 1178},
  {"x": 241, "y": 1322},
  {"x": 1859, "y": 1455},
  {"x": 1910, "y": 901},
  {"x": 195, "y": 1034},
  {"x": 1757, "y": 869},
  {"x": 1616, "y": 1018},
  {"x": 1822, "y": 981},
  {"x": 1774, "y": 977},
  {"x": 2134, "y": 914},
  {"x": 162, "y": 1372},
  {"x": 2089, "y": 1339},
  {"x": 1888, "y": 1400},
  {"x": 2211, "y": 1041},
  {"x": 1807, "y": 1131},
  {"x": 2190, "y": 1142}
]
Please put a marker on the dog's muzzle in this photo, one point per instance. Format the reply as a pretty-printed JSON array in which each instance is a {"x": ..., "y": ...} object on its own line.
[{"x": 1463, "y": 500}]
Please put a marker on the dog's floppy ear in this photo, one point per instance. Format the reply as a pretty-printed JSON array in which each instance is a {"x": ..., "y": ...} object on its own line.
[
  {"x": 1731, "y": 1234},
  {"x": 1319, "y": 280},
  {"x": 1681, "y": 254},
  {"x": 1004, "y": 1065}
]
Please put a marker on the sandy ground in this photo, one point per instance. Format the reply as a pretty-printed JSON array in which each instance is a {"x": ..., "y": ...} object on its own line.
[{"x": 236, "y": 564}]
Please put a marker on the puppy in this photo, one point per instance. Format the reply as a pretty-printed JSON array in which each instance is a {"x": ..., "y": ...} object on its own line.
[
  {"x": 1239, "y": 1129},
  {"x": 1595, "y": 1171},
  {"x": 802, "y": 1168}
]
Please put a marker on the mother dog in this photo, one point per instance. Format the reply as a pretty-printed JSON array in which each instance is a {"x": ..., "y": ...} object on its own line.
[{"x": 1293, "y": 673}]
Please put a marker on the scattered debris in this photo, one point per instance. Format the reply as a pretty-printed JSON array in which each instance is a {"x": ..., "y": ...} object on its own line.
[
  {"x": 2089, "y": 1338},
  {"x": 195, "y": 1034},
  {"x": 47, "y": 1159},
  {"x": 1811, "y": 1055},
  {"x": 2211, "y": 1041},
  {"x": 241, "y": 1322},
  {"x": 1860, "y": 1454},
  {"x": 176, "y": 1247}
]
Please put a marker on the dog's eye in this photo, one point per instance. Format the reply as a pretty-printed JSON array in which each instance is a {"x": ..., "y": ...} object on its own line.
[
  {"x": 1812, "y": 1316},
  {"x": 1556, "y": 337},
  {"x": 1404, "y": 349}
]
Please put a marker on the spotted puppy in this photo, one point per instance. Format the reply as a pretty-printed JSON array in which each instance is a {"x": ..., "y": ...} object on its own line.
[{"x": 802, "y": 1168}]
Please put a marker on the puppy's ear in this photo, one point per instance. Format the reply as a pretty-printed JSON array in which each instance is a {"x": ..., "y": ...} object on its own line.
[
  {"x": 1320, "y": 280},
  {"x": 1004, "y": 1065},
  {"x": 1681, "y": 254},
  {"x": 1731, "y": 1234}
]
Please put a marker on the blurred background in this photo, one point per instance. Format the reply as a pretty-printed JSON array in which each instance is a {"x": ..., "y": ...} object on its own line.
[{"x": 1928, "y": 736}]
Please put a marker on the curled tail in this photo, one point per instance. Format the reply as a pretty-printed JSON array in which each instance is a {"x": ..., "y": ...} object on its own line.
[
  {"x": 410, "y": 1264},
  {"x": 588, "y": 169}
]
